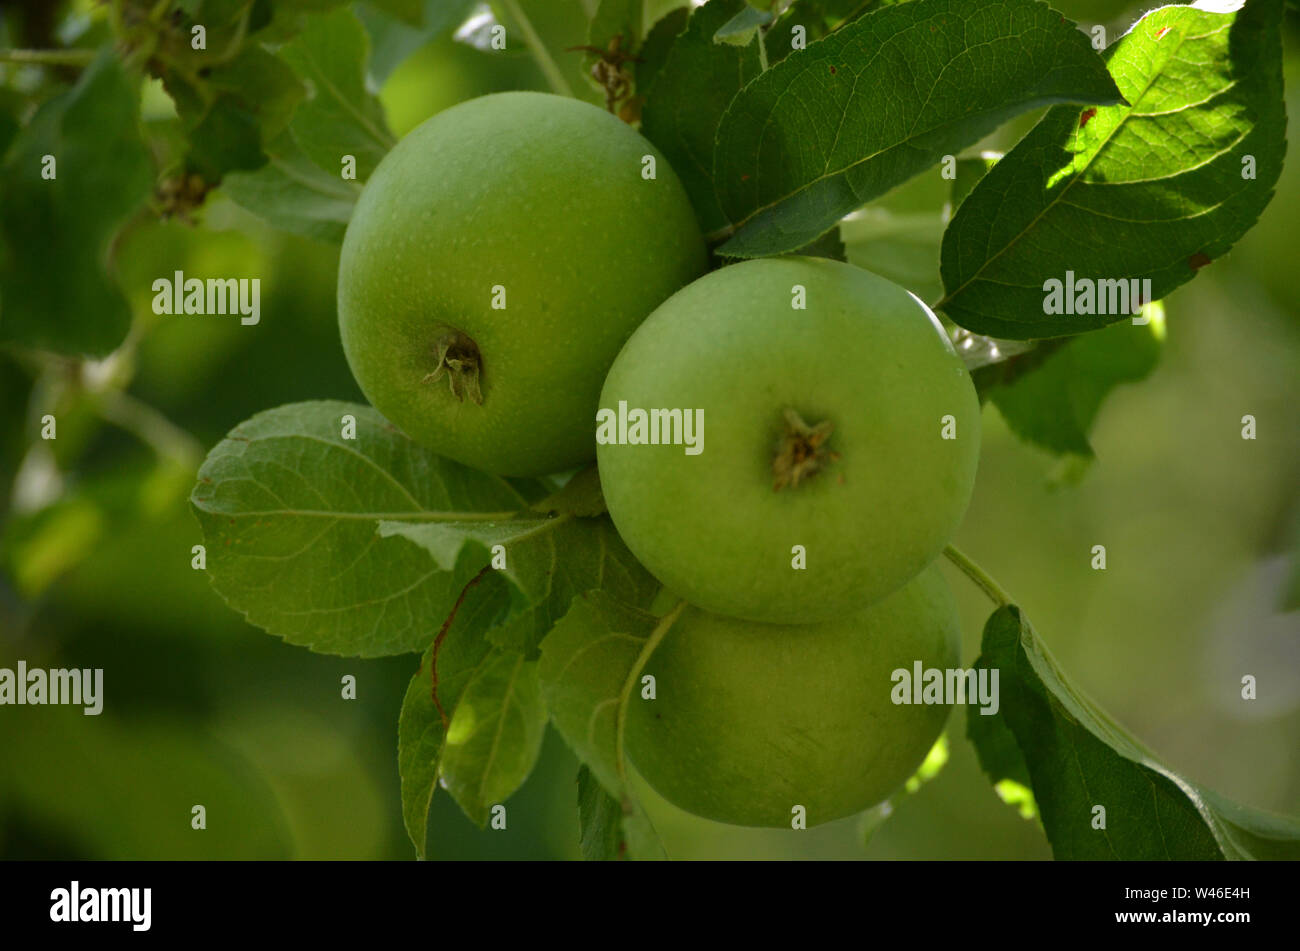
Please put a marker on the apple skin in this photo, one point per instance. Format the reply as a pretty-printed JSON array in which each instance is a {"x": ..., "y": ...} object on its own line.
[
  {"x": 867, "y": 357},
  {"x": 543, "y": 195},
  {"x": 753, "y": 719}
]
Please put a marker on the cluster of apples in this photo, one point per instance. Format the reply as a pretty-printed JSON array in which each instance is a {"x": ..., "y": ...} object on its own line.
[{"x": 522, "y": 260}]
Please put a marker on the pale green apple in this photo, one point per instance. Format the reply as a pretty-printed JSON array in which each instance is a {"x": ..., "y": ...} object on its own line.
[
  {"x": 751, "y": 720},
  {"x": 496, "y": 261},
  {"x": 839, "y": 440}
]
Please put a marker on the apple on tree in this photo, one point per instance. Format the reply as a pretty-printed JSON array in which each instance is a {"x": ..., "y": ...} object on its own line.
[
  {"x": 497, "y": 259},
  {"x": 845, "y": 434},
  {"x": 752, "y": 719}
]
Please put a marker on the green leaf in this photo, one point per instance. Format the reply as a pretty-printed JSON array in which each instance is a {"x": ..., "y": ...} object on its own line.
[
  {"x": 621, "y": 18},
  {"x": 392, "y": 40},
  {"x": 658, "y": 43},
  {"x": 830, "y": 245},
  {"x": 231, "y": 110},
  {"x": 340, "y": 117},
  {"x": 882, "y": 99},
  {"x": 1054, "y": 405},
  {"x": 688, "y": 98},
  {"x": 741, "y": 29},
  {"x": 589, "y": 670},
  {"x": 969, "y": 172},
  {"x": 264, "y": 84},
  {"x": 421, "y": 729},
  {"x": 580, "y": 496},
  {"x": 55, "y": 234},
  {"x": 836, "y": 12},
  {"x": 410, "y": 11},
  {"x": 995, "y": 746},
  {"x": 495, "y": 734},
  {"x": 1148, "y": 191},
  {"x": 547, "y": 560},
  {"x": 588, "y": 667},
  {"x": 294, "y": 194},
  {"x": 289, "y": 510},
  {"x": 610, "y": 831},
  {"x": 600, "y": 821},
  {"x": 1077, "y": 759}
]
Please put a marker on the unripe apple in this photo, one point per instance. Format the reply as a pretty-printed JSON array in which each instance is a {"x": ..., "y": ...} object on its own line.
[
  {"x": 496, "y": 261},
  {"x": 840, "y": 435},
  {"x": 750, "y": 720}
]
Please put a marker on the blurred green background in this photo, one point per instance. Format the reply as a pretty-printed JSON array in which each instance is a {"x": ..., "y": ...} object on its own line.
[{"x": 1200, "y": 528}]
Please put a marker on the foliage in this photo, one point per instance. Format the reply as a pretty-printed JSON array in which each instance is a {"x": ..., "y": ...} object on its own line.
[{"x": 366, "y": 545}]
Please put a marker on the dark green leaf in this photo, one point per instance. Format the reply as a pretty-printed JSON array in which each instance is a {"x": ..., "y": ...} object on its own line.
[
  {"x": 232, "y": 109},
  {"x": 882, "y": 99},
  {"x": 610, "y": 831},
  {"x": 830, "y": 245},
  {"x": 600, "y": 820},
  {"x": 1055, "y": 404},
  {"x": 1078, "y": 759},
  {"x": 1149, "y": 191},
  {"x": 55, "y": 290},
  {"x": 969, "y": 172},
  {"x": 262, "y": 83},
  {"x": 688, "y": 98},
  {"x": 658, "y": 42}
]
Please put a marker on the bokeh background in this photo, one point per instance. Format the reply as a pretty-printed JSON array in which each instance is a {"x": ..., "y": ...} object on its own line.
[{"x": 1200, "y": 527}]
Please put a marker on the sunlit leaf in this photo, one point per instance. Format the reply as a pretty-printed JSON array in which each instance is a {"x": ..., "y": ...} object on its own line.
[{"x": 1152, "y": 190}]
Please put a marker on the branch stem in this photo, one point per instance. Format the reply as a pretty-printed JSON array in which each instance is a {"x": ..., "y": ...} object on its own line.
[
  {"x": 151, "y": 427},
  {"x": 976, "y": 574},
  {"x": 535, "y": 46},
  {"x": 48, "y": 57}
]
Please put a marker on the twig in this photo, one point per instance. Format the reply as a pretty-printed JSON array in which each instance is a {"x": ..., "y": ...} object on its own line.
[
  {"x": 976, "y": 574},
  {"x": 540, "y": 54},
  {"x": 151, "y": 427},
  {"x": 48, "y": 57}
]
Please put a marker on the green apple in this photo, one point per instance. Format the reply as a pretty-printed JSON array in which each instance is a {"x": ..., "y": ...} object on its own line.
[
  {"x": 497, "y": 260},
  {"x": 750, "y": 720},
  {"x": 839, "y": 448}
]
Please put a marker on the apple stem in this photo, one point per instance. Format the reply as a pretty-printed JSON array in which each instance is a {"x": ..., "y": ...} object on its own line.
[
  {"x": 977, "y": 574},
  {"x": 460, "y": 361},
  {"x": 801, "y": 452}
]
